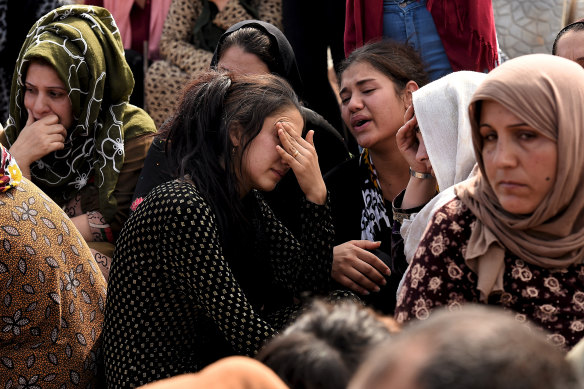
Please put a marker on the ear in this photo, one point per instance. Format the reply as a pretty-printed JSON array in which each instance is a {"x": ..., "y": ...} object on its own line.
[
  {"x": 235, "y": 135},
  {"x": 411, "y": 87}
]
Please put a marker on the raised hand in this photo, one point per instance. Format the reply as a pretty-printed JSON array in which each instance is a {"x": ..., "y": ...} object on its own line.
[
  {"x": 408, "y": 142},
  {"x": 37, "y": 139},
  {"x": 301, "y": 156}
]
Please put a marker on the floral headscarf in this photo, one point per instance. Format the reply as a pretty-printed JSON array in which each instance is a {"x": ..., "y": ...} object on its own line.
[{"x": 83, "y": 45}]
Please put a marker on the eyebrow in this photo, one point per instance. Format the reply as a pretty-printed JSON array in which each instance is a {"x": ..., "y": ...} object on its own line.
[
  {"x": 522, "y": 124},
  {"x": 359, "y": 83},
  {"x": 49, "y": 87}
]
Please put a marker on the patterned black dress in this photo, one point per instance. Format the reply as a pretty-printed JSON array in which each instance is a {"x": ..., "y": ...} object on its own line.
[{"x": 178, "y": 300}]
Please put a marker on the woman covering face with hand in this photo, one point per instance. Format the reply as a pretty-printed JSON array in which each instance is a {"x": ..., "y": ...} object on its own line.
[
  {"x": 71, "y": 129},
  {"x": 514, "y": 234},
  {"x": 203, "y": 268}
]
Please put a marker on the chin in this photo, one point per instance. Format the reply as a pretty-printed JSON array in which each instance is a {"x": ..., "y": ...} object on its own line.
[{"x": 517, "y": 207}]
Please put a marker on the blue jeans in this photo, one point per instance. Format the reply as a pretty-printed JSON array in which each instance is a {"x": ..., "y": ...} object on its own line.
[{"x": 413, "y": 23}]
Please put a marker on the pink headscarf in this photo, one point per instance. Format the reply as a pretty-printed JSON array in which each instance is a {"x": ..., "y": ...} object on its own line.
[{"x": 120, "y": 9}]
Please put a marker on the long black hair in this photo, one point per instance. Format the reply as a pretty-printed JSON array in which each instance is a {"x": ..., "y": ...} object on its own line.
[{"x": 212, "y": 108}]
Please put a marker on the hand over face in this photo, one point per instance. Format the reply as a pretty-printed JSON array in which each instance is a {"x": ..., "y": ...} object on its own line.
[
  {"x": 38, "y": 138},
  {"x": 300, "y": 155},
  {"x": 411, "y": 144}
]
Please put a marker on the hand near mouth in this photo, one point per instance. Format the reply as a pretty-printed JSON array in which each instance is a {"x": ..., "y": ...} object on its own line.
[
  {"x": 37, "y": 139},
  {"x": 301, "y": 156}
]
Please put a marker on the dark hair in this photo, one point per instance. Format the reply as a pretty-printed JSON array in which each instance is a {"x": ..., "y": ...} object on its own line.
[
  {"x": 198, "y": 135},
  {"x": 324, "y": 347},
  {"x": 400, "y": 62},
  {"x": 477, "y": 347},
  {"x": 253, "y": 41},
  {"x": 576, "y": 26}
]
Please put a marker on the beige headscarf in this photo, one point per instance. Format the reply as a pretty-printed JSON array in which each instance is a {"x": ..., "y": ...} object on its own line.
[{"x": 547, "y": 93}]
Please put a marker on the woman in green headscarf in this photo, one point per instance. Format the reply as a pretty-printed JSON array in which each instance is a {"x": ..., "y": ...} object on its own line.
[{"x": 71, "y": 129}]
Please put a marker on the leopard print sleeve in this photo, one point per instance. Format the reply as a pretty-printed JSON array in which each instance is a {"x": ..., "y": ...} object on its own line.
[
  {"x": 231, "y": 14},
  {"x": 271, "y": 11},
  {"x": 268, "y": 10},
  {"x": 177, "y": 35}
]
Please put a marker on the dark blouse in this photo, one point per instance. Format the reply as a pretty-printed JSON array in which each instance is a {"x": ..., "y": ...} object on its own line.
[
  {"x": 347, "y": 204},
  {"x": 179, "y": 300},
  {"x": 439, "y": 276}
]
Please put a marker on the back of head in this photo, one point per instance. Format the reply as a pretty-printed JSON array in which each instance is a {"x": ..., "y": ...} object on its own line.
[
  {"x": 575, "y": 26},
  {"x": 441, "y": 109},
  {"x": 235, "y": 372},
  {"x": 324, "y": 347},
  {"x": 398, "y": 61},
  {"x": 478, "y": 347}
]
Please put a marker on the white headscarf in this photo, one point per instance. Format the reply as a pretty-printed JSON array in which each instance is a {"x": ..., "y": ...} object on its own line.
[{"x": 442, "y": 111}]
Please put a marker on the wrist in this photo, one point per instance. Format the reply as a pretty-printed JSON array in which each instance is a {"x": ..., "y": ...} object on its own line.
[
  {"x": 317, "y": 197},
  {"x": 421, "y": 175}
]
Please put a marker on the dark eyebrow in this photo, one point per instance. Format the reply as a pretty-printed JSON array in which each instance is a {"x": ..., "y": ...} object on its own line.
[
  {"x": 49, "y": 87},
  {"x": 359, "y": 83}
]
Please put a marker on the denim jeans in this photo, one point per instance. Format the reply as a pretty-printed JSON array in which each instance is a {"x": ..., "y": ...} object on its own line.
[{"x": 410, "y": 21}]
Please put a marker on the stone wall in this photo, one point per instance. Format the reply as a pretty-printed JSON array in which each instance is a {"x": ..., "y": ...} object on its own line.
[{"x": 530, "y": 26}]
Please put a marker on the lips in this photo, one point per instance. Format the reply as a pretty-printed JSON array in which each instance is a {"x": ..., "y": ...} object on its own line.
[
  {"x": 358, "y": 121},
  {"x": 510, "y": 185},
  {"x": 280, "y": 173}
]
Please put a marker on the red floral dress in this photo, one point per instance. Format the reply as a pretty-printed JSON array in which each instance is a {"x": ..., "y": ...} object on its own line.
[{"x": 439, "y": 276}]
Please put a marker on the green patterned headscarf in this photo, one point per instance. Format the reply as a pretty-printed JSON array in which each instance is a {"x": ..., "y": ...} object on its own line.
[{"x": 83, "y": 45}]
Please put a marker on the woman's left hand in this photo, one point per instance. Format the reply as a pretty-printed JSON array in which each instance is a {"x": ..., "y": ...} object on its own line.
[{"x": 300, "y": 155}]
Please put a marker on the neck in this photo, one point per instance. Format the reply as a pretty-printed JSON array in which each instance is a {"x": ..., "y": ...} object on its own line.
[{"x": 392, "y": 170}]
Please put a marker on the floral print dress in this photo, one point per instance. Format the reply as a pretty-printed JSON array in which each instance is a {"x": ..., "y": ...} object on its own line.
[
  {"x": 52, "y": 294},
  {"x": 439, "y": 276}
]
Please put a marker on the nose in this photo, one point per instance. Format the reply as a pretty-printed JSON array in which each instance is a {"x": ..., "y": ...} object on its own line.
[
  {"x": 504, "y": 153},
  {"x": 355, "y": 104},
  {"x": 40, "y": 106}
]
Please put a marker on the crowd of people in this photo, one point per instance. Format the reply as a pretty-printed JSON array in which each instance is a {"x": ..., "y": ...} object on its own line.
[{"x": 224, "y": 233}]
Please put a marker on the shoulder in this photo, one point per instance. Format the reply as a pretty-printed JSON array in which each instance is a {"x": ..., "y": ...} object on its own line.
[
  {"x": 175, "y": 197},
  {"x": 344, "y": 173},
  {"x": 454, "y": 211},
  {"x": 137, "y": 122},
  {"x": 449, "y": 229}
]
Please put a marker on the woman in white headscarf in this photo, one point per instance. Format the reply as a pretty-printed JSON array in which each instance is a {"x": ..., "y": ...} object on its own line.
[{"x": 438, "y": 144}]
